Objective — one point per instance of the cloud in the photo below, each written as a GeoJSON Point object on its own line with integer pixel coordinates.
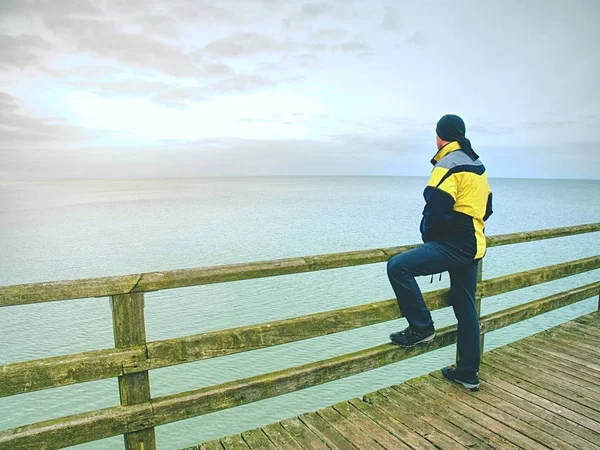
{"type": "Point", "coordinates": [21, 51]}
{"type": "Point", "coordinates": [308, 13]}
{"type": "Point", "coordinates": [23, 130]}
{"type": "Point", "coordinates": [353, 46]}
{"type": "Point", "coordinates": [417, 39]}
{"type": "Point", "coordinates": [391, 20]}
{"type": "Point", "coordinates": [247, 44]}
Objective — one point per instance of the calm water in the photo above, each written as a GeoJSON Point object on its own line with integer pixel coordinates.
{"type": "Point", "coordinates": [74, 229]}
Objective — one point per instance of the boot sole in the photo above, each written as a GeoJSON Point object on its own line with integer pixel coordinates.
{"type": "Point", "coordinates": [425, 340]}
{"type": "Point", "coordinates": [468, 386]}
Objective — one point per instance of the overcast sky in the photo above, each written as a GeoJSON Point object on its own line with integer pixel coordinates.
{"type": "Point", "coordinates": [132, 88]}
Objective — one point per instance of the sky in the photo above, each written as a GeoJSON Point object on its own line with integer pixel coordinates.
{"type": "Point", "coordinates": [184, 88]}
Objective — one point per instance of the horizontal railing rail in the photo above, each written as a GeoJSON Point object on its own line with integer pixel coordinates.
{"type": "Point", "coordinates": [107, 422]}
{"type": "Point", "coordinates": [23, 294]}
{"type": "Point", "coordinates": [133, 357]}
{"type": "Point", "coordinates": [58, 371]}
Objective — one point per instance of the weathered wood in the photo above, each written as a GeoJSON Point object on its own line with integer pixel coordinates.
{"type": "Point", "coordinates": [528, 424]}
{"type": "Point", "coordinates": [368, 426]}
{"type": "Point", "coordinates": [547, 347]}
{"type": "Point", "coordinates": [553, 423]}
{"type": "Point", "coordinates": [60, 371]}
{"type": "Point", "coordinates": [107, 286]}
{"type": "Point", "coordinates": [483, 417]}
{"type": "Point", "coordinates": [392, 425]}
{"type": "Point", "coordinates": [548, 382]}
{"type": "Point", "coordinates": [538, 235]}
{"type": "Point", "coordinates": [302, 434]}
{"type": "Point", "coordinates": [280, 437]}
{"type": "Point", "coordinates": [433, 435]}
{"type": "Point", "coordinates": [443, 410]}
{"type": "Point", "coordinates": [78, 428]}
{"type": "Point", "coordinates": [534, 308]}
{"type": "Point", "coordinates": [211, 445]}
{"type": "Point", "coordinates": [442, 418]}
{"type": "Point", "coordinates": [130, 330]}
{"type": "Point", "coordinates": [45, 373]}
{"type": "Point", "coordinates": [256, 439]}
{"type": "Point", "coordinates": [563, 363]}
{"type": "Point", "coordinates": [551, 411]}
{"type": "Point", "coordinates": [190, 404]}
{"type": "Point", "coordinates": [325, 431]}
{"type": "Point", "coordinates": [508, 283]}
{"type": "Point", "coordinates": [552, 366]}
{"type": "Point", "coordinates": [545, 392]}
{"type": "Point", "coordinates": [351, 432]}
{"type": "Point", "coordinates": [234, 442]}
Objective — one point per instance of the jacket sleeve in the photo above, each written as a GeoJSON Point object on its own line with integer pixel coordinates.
{"type": "Point", "coordinates": [488, 207]}
{"type": "Point", "coordinates": [440, 196]}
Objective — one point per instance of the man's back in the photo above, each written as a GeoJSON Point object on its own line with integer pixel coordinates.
{"type": "Point", "coordinates": [458, 200]}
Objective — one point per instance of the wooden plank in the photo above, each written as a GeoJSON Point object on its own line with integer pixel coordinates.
{"type": "Point", "coordinates": [280, 437]}
{"type": "Point", "coordinates": [78, 428]}
{"type": "Point", "coordinates": [556, 386]}
{"type": "Point", "coordinates": [368, 426]}
{"type": "Point", "coordinates": [214, 398]}
{"type": "Point", "coordinates": [550, 358]}
{"type": "Point", "coordinates": [530, 365]}
{"type": "Point", "coordinates": [534, 308]}
{"type": "Point", "coordinates": [583, 394]}
{"type": "Point", "coordinates": [129, 330]}
{"type": "Point", "coordinates": [542, 391]}
{"type": "Point", "coordinates": [532, 277]}
{"type": "Point", "coordinates": [529, 424]}
{"type": "Point", "coordinates": [52, 372]}
{"type": "Point", "coordinates": [550, 412]}
{"type": "Point", "coordinates": [548, 348]}
{"type": "Point", "coordinates": [18, 378]}
{"type": "Point", "coordinates": [489, 418]}
{"type": "Point", "coordinates": [465, 430]}
{"type": "Point", "coordinates": [580, 348]}
{"type": "Point", "coordinates": [325, 431]}
{"type": "Point", "coordinates": [211, 445]}
{"type": "Point", "coordinates": [392, 425]}
{"type": "Point", "coordinates": [529, 236]}
{"type": "Point", "coordinates": [146, 282]}
{"type": "Point", "coordinates": [577, 329]}
{"type": "Point", "coordinates": [302, 434]}
{"type": "Point", "coordinates": [256, 439]}
{"type": "Point", "coordinates": [433, 435]}
{"type": "Point", "coordinates": [226, 342]}
{"type": "Point", "coordinates": [592, 382]}
{"type": "Point", "coordinates": [347, 429]}
{"type": "Point", "coordinates": [234, 442]}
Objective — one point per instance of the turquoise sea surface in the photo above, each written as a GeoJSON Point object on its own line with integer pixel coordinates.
{"type": "Point", "coordinates": [55, 230]}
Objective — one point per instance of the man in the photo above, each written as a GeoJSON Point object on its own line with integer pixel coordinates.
{"type": "Point", "coordinates": [458, 201]}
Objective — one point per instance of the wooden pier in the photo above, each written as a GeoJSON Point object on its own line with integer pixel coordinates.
{"type": "Point", "coordinates": [557, 369]}
{"type": "Point", "coordinates": [540, 392]}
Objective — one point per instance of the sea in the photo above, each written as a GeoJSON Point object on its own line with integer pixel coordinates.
{"type": "Point", "coordinates": [68, 229]}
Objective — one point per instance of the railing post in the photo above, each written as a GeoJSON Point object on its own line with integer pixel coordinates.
{"type": "Point", "coordinates": [129, 331]}
{"type": "Point", "coordinates": [478, 297]}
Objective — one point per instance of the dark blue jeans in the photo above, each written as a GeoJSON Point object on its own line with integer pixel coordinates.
{"type": "Point", "coordinates": [431, 258]}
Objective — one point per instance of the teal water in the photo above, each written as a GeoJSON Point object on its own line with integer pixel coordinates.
{"type": "Point", "coordinates": [74, 229]}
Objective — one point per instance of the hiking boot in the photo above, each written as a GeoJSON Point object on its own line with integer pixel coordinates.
{"type": "Point", "coordinates": [409, 337]}
{"type": "Point", "coordinates": [470, 382]}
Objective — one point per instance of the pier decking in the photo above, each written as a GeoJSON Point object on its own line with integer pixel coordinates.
{"type": "Point", "coordinates": [540, 392]}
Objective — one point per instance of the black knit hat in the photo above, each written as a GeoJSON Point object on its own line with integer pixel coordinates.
{"type": "Point", "coordinates": [452, 128]}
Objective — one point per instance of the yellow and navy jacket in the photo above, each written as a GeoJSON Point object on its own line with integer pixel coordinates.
{"type": "Point", "coordinates": [458, 200]}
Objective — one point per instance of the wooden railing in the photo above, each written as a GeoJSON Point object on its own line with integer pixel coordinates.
{"type": "Point", "coordinates": [132, 357]}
